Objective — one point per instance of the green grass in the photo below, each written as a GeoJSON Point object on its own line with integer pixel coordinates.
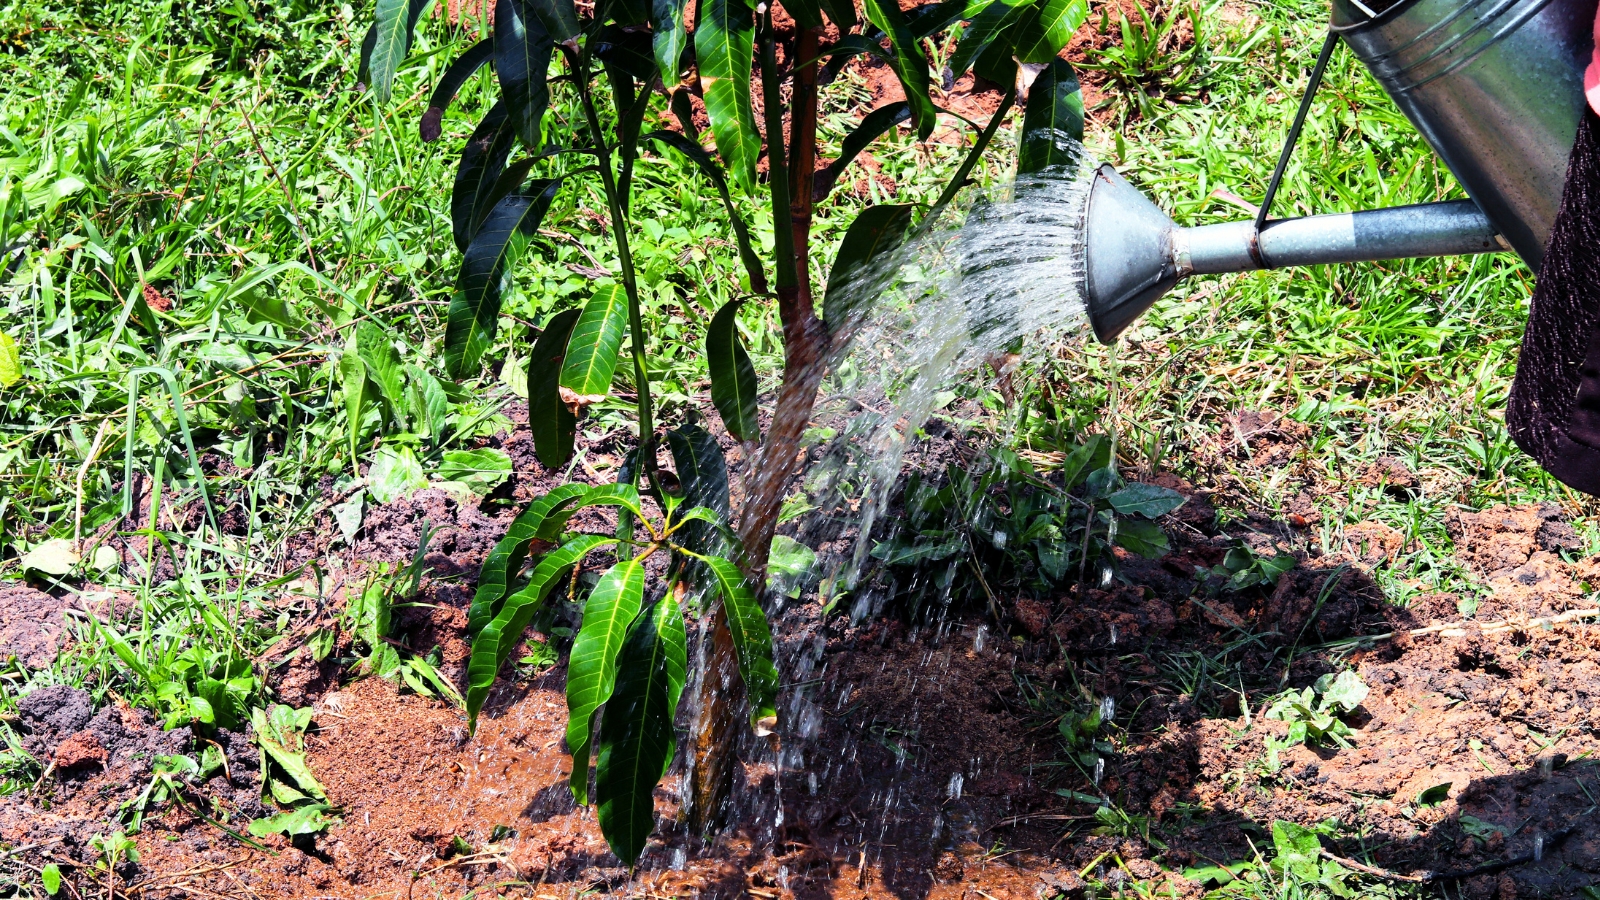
{"type": "Point", "coordinates": [216, 156]}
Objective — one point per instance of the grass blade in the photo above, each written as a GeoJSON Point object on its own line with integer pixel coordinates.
{"type": "Point", "coordinates": [733, 376]}
{"type": "Point", "coordinates": [592, 666]}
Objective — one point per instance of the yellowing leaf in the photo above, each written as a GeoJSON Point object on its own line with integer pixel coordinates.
{"type": "Point", "coordinates": [10, 361]}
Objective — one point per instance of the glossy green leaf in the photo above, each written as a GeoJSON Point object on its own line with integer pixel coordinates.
{"type": "Point", "coordinates": [908, 62]}
{"type": "Point", "coordinates": [444, 93]}
{"type": "Point", "coordinates": [636, 737]}
{"type": "Point", "coordinates": [522, 49]}
{"type": "Point", "coordinates": [1052, 124]}
{"type": "Point", "coordinates": [623, 494]}
{"type": "Point", "coordinates": [733, 376]}
{"type": "Point", "coordinates": [702, 469]}
{"type": "Point", "coordinates": [393, 24]}
{"type": "Point", "coordinates": [383, 363]}
{"type": "Point", "coordinates": [50, 878]}
{"type": "Point", "coordinates": [841, 12]}
{"type": "Point", "coordinates": [708, 167]}
{"type": "Point", "coordinates": [394, 474]}
{"type": "Point", "coordinates": [860, 268]}
{"type": "Point", "coordinates": [1048, 28]}
{"type": "Point", "coordinates": [475, 306]}
{"type": "Point", "coordinates": [494, 643]}
{"type": "Point", "coordinates": [308, 819]}
{"type": "Point", "coordinates": [990, 25]}
{"type": "Point", "coordinates": [542, 520]}
{"type": "Point", "coordinates": [790, 566]}
{"type": "Point", "coordinates": [872, 126]}
{"type": "Point", "coordinates": [482, 161]}
{"type": "Point", "coordinates": [752, 642]}
{"type": "Point", "coordinates": [724, 44]}
{"type": "Point", "coordinates": [560, 18]}
{"type": "Point", "coordinates": [353, 382]}
{"type": "Point", "coordinates": [1147, 500]}
{"type": "Point", "coordinates": [1082, 460]}
{"type": "Point", "coordinates": [670, 38]}
{"type": "Point", "coordinates": [553, 424]}
{"type": "Point", "coordinates": [592, 668]}
{"type": "Point", "coordinates": [806, 13]}
{"type": "Point", "coordinates": [592, 350]}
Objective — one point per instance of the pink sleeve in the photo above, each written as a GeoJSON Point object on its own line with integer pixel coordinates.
{"type": "Point", "coordinates": [1591, 78]}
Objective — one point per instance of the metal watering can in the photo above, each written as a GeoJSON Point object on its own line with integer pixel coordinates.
{"type": "Point", "coordinates": [1496, 88]}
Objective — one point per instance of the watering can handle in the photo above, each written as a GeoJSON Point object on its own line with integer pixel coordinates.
{"type": "Point", "coordinates": [1288, 146]}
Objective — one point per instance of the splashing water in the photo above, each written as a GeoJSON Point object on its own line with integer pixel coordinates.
{"type": "Point", "coordinates": [1005, 271]}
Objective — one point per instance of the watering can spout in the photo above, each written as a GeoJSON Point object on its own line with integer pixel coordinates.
{"type": "Point", "coordinates": [1134, 253]}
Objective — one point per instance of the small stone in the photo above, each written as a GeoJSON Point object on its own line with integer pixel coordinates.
{"type": "Point", "coordinates": [80, 748]}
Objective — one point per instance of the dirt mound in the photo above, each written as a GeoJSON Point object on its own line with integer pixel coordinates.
{"type": "Point", "coordinates": [31, 627]}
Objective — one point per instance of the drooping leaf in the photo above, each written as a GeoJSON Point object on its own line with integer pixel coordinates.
{"type": "Point", "coordinates": [841, 12]}
{"type": "Point", "coordinates": [475, 306]}
{"type": "Point", "coordinates": [702, 470]}
{"type": "Point", "coordinates": [908, 62]}
{"type": "Point", "coordinates": [481, 163]}
{"type": "Point", "coordinates": [308, 819]}
{"type": "Point", "coordinates": [483, 469]}
{"type": "Point", "coordinates": [553, 424]}
{"type": "Point", "coordinates": [1048, 29]}
{"type": "Point", "coordinates": [507, 556]}
{"type": "Point", "coordinates": [733, 376]}
{"type": "Point", "coordinates": [353, 382]}
{"type": "Point", "coordinates": [383, 363]}
{"type": "Point", "coordinates": [493, 645]}
{"type": "Point", "coordinates": [1144, 538]}
{"type": "Point", "coordinates": [806, 13]}
{"type": "Point", "coordinates": [592, 669]}
{"type": "Point", "coordinates": [1052, 124]}
{"type": "Point", "coordinates": [636, 738]}
{"type": "Point", "coordinates": [752, 642]}
{"type": "Point", "coordinates": [670, 37]}
{"type": "Point", "coordinates": [857, 273]}
{"type": "Point", "coordinates": [724, 41]}
{"type": "Point", "coordinates": [522, 49]}
{"type": "Point", "coordinates": [444, 93]}
{"type": "Point", "coordinates": [622, 494]}
{"type": "Point", "coordinates": [560, 18]}
{"type": "Point", "coordinates": [511, 181]}
{"type": "Point", "coordinates": [391, 38]}
{"type": "Point", "coordinates": [709, 167]}
{"type": "Point", "coordinates": [1147, 500]}
{"type": "Point", "coordinates": [591, 360]}
{"type": "Point", "coordinates": [872, 126]}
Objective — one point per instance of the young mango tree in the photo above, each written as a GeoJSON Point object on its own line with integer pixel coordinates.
{"type": "Point", "coordinates": [629, 655]}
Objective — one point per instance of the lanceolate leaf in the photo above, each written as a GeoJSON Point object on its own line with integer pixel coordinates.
{"type": "Point", "coordinates": [908, 62]}
{"type": "Point", "coordinates": [752, 640]}
{"type": "Point", "coordinates": [1053, 120]}
{"type": "Point", "coordinates": [553, 425]}
{"type": "Point", "coordinates": [560, 18]}
{"type": "Point", "coordinates": [481, 163]}
{"type": "Point", "coordinates": [383, 363]}
{"type": "Point", "coordinates": [876, 231]}
{"type": "Point", "coordinates": [636, 737]}
{"type": "Point", "coordinates": [467, 65]}
{"type": "Point", "coordinates": [724, 41]}
{"type": "Point", "coordinates": [986, 28]}
{"type": "Point", "coordinates": [873, 126]}
{"type": "Point", "coordinates": [475, 307]}
{"type": "Point", "coordinates": [522, 49]}
{"type": "Point", "coordinates": [591, 359]}
{"type": "Point", "coordinates": [511, 181]}
{"type": "Point", "coordinates": [507, 556]}
{"type": "Point", "coordinates": [702, 470]}
{"type": "Point", "coordinates": [670, 38]}
{"type": "Point", "coordinates": [708, 166]}
{"type": "Point", "coordinates": [1049, 28]}
{"type": "Point", "coordinates": [592, 669]}
{"type": "Point", "coordinates": [622, 494]}
{"type": "Point", "coordinates": [391, 30]}
{"type": "Point", "coordinates": [733, 377]}
{"type": "Point", "coordinates": [493, 644]}
{"type": "Point", "coordinates": [429, 403]}
{"type": "Point", "coordinates": [353, 381]}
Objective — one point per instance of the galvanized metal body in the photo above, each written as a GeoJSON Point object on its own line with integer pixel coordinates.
{"type": "Point", "coordinates": [1496, 88]}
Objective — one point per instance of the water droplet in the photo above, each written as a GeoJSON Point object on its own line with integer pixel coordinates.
{"type": "Point", "coordinates": [953, 791]}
